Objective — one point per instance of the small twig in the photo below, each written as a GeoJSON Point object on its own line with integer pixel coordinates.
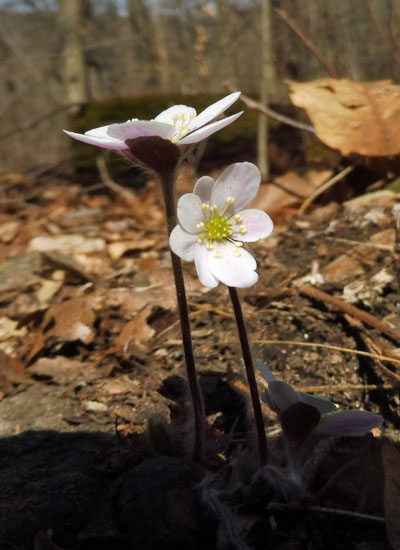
{"type": "Point", "coordinates": [388, 247]}
{"type": "Point", "coordinates": [311, 345]}
{"type": "Point", "coordinates": [373, 346]}
{"type": "Point", "coordinates": [106, 180]}
{"type": "Point", "coordinates": [335, 511]}
{"type": "Point", "coordinates": [324, 187]}
{"type": "Point", "coordinates": [175, 324]}
{"type": "Point", "coordinates": [252, 104]}
{"type": "Point", "coordinates": [307, 41]}
{"type": "Point", "coordinates": [206, 308]}
{"type": "Point", "coordinates": [363, 316]}
{"type": "Point", "coordinates": [329, 346]}
{"type": "Point", "coordinates": [345, 387]}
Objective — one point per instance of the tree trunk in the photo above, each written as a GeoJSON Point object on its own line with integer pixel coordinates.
{"type": "Point", "coordinates": [229, 61]}
{"type": "Point", "coordinates": [74, 69]}
{"type": "Point", "coordinates": [162, 49]}
{"type": "Point", "coordinates": [267, 80]}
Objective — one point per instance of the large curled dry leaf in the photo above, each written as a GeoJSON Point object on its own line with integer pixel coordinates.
{"type": "Point", "coordinates": [353, 117]}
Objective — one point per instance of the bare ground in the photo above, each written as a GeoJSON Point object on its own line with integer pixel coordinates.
{"type": "Point", "coordinates": [94, 416]}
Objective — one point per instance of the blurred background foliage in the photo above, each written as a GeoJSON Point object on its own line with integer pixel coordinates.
{"type": "Point", "coordinates": [83, 63]}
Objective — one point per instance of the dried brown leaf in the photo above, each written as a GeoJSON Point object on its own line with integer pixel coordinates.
{"type": "Point", "coordinates": [353, 117]}
{"type": "Point", "coordinates": [71, 320]}
{"type": "Point", "coordinates": [69, 244]}
{"type": "Point", "coordinates": [9, 230]}
{"type": "Point", "coordinates": [12, 371]}
{"type": "Point", "coordinates": [136, 331]}
{"type": "Point", "coordinates": [60, 369]}
{"type": "Point", "coordinates": [283, 198]}
{"type": "Point", "coordinates": [118, 249]}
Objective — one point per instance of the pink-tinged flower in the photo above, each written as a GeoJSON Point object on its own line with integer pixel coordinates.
{"type": "Point", "coordinates": [328, 421]}
{"type": "Point", "coordinates": [179, 124]}
{"type": "Point", "coordinates": [213, 227]}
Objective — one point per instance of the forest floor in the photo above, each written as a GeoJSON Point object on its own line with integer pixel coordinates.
{"type": "Point", "coordinates": [94, 419]}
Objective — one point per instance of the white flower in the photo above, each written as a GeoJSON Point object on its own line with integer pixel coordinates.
{"type": "Point", "coordinates": [280, 396]}
{"type": "Point", "coordinates": [179, 124]}
{"type": "Point", "coordinates": [213, 227]}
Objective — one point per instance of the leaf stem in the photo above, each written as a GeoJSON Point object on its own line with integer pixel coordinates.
{"type": "Point", "coordinates": [168, 186]}
{"type": "Point", "coordinates": [251, 377]}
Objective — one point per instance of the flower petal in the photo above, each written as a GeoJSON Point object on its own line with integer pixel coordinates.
{"type": "Point", "coordinates": [349, 423]}
{"type": "Point", "coordinates": [324, 405]}
{"type": "Point", "coordinates": [240, 181]}
{"type": "Point", "coordinates": [233, 266]}
{"type": "Point", "coordinates": [201, 259]}
{"type": "Point", "coordinates": [190, 212]}
{"type": "Point", "coordinates": [140, 128]}
{"type": "Point", "coordinates": [182, 243]}
{"type": "Point", "coordinates": [167, 116]}
{"type": "Point", "coordinates": [101, 132]}
{"type": "Point", "coordinates": [282, 395]}
{"type": "Point", "coordinates": [265, 372]}
{"type": "Point", "coordinates": [203, 188]}
{"type": "Point", "coordinates": [208, 130]}
{"type": "Point", "coordinates": [257, 222]}
{"type": "Point", "coordinates": [110, 143]}
{"type": "Point", "coordinates": [213, 111]}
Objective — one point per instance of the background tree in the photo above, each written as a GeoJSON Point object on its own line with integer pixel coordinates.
{"type": "Point", "coordinates": [266, 83]}
{"type": "Point", "coordinates": [54, 52]}
{"type": "Point", "coordinates": [74, 67]}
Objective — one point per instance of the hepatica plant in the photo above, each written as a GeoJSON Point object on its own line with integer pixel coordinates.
{"type": "Point", "coordinates": [213, 227]}
{"type": "Point", "coordinates": [158, 145]}
{"type": "Point", "coordinates": [302, 414]}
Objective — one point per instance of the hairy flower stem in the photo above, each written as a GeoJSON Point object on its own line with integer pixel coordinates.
{"type": "Point", "coordinates": [251, 377]}
{"type": "Point", "coordinates": [168, 187]}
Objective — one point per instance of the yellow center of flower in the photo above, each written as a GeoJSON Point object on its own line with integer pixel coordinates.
{"type": "Point", "coordinates": [216, 229]}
